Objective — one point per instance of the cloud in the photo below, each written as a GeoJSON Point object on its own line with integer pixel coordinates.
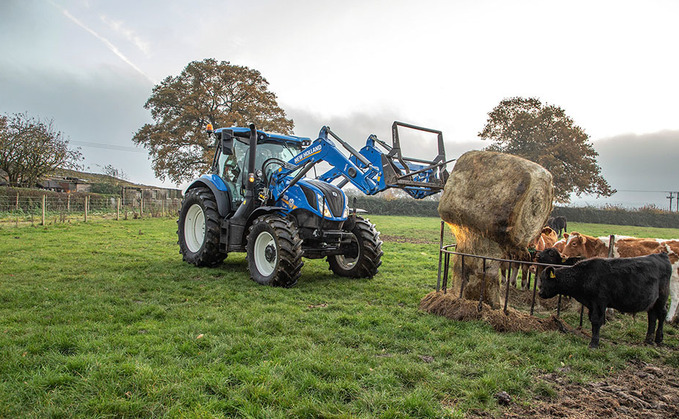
{"type": "Point", "coordinates": [103, 40]}
{"type": "Point", "coordinates": [356, 127]}
{"type": "Point", "coordinates": [120, 28]}
{"type": "Point", "coordinates": [643, 168]}
{"type": "Point", "coordinates": [99, 113]}
{"type": "Point", "coordinates": [647, 161]}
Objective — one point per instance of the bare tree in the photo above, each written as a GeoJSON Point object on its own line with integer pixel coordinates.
{"type": "Point", "coordinates": [31, 148]}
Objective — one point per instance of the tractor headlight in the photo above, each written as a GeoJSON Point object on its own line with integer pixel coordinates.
{"type": "Point", "coordinates": [322, 206]}
{"type": "Point", "coordinates": [345, 213]}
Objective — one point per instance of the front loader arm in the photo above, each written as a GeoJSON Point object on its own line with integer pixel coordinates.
{"type": "Point", "coordinates": [357, 170]}
{"type": "Point", "coordinates": [371, 170]}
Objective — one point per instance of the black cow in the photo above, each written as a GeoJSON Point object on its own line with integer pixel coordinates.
{"type": "Point", "coordinates": [629, 285]}
{"type": "Point", "coordinates": [558, 224]}
{"type": "Point", "coordinates": [553, 257]}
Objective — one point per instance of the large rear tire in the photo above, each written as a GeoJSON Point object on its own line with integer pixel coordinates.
{"type": "Point", "coordinates": [363, 256]}
{"type": "Point", "coordinates": [274, 251]}
{"type": "Point", "coordinates": [198, 228]}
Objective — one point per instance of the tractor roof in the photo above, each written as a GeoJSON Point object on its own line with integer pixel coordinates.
{"type": "Point", "coordinates": [243, 132]}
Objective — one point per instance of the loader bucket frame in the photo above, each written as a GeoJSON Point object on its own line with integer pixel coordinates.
{"type": "Point", "coordinates": [418, 177]}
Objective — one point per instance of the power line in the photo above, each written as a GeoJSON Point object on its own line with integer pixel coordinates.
{"type": "Point", "coordinates": [108, 146]}
{"type": "Point", "coordinates": [644, 191]}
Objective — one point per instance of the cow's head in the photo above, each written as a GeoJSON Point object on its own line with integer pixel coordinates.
{"type": "Point", "coordinates": [548, 285]}
{"type": "Point", "coordinates": [580, 245]}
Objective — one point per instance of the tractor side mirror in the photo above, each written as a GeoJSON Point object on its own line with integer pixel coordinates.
{"type": "Point", "coordinates": [227, 142]}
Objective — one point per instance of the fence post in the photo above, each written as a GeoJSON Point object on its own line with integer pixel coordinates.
{"type": "Point", "coordinates": [87, 201]}
{"type": "Point", "coordinates": [43, 209]}
{"type": "Point", "coordinates": [17, 206]}
{"type": "Point", "coordinates": [141, 205]}
{"type": "Point", "coordinates": [118, 211]}
{"type": "Point", "coordinates": [68, 202]}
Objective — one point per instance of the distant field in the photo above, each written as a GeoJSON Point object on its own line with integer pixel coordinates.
{"type": "Point", "coordinates": [104, 319]}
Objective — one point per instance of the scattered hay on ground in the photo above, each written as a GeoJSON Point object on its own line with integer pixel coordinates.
{"type": "Point", "coordinates": [449, 306]}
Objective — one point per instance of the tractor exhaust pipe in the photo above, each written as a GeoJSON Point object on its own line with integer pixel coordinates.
{"type": "Point", "coordinates": [250, 185]}
{"type": "Point", "coordinates": [247, 206]}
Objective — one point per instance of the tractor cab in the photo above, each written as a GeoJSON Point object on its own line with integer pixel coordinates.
{"type": "Point", "coordinates": [233, 154]}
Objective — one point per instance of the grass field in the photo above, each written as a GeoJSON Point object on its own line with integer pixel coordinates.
{"type": "Point", "coordinates": [105, 320]}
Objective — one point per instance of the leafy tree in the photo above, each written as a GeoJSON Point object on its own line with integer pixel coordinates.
{"type": "Point", "coordinates": [31, 148]}
{"type": "Point", "coordinates": [205, 92]}
{"type": "Point", "coordinates": [546, 135]}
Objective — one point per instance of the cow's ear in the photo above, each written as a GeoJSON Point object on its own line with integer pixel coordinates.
{"type": "Point", "coordinates": [550, 272]}
{"type": "Point", "coordinates": [565, 236]}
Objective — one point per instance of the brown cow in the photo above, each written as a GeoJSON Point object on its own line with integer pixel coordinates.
{"type": "Point", "coordinates": [578, 244]}
{"type": "Point", "coordinates": [545, 240]}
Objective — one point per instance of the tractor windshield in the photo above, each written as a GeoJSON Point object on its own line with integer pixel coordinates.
{"type": "Point", "coordinates": [233, 168]}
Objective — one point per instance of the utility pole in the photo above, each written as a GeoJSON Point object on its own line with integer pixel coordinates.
{"type": "Point", "coordinates": [671, 197]}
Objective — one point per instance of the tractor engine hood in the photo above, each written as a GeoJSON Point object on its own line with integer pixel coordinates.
{"type": "Point", "coordinates": [321, 198]}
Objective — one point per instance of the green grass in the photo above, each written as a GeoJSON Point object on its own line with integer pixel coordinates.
{"type": "Point", "coordinates": [104, 319]}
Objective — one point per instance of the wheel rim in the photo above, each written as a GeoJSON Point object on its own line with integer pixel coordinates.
{"type": "Point", "coordinates": [194, 228]}
{"type": "Point", "coordinates": [265, 253]}
{"type": "Point", "coordinates": [346, 262]}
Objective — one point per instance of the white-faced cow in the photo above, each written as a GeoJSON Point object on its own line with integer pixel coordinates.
{"type": "Point", "coordinates": [587, 246]}
{"type": "Point", "coordinates": [629, 285]}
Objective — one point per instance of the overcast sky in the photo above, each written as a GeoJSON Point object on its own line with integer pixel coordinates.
{"type": "Point", "coordinates": [359, 65]}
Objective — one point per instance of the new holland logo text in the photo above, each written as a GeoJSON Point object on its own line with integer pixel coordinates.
{"type": "Point", "coordinates": [307, 153]}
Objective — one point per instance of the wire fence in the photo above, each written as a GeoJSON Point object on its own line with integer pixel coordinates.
{"type": "Point", "coordinates": [53, 208]}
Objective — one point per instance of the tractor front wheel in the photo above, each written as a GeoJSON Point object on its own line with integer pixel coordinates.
{"type": "Point", "coordinates": [198, 228]}
{"type": "Point", "coordinates": [274, 251]}
{"type": "Point", "coordinates": [363, 256]}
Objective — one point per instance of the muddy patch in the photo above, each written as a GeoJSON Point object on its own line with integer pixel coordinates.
{"type": "Point", "coordinates": [640, 391]}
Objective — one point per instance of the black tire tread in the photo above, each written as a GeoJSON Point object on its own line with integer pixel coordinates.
{"type": "Point", "coordinates": [371, 252]}
{"type": "Point", "coordinates": [209, 255]}
{"type": "Point", "coordinates": [289, 250]}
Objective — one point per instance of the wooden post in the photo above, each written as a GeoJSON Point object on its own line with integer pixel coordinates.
{"type": "Point", "coordinates": [43, 209]}
{"type": "Point", "coordinates": [17, 206]}
{"type": "Point", "coordinates": [68, 202]}
{"type": "Point", "coordinates": [611, 243]}
{"type": "Point", "coordinates": [141, 204]}
{"type": "Point", "coordinates": [87, 201]}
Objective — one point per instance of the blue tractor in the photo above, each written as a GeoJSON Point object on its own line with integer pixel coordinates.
{"type": "Point", "coordinates": [259, 200]}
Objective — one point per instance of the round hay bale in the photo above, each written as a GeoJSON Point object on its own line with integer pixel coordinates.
{"type": "Point", "coordinates": [502, 197]}
{"type": "Point", "coordinates": [495, 204]}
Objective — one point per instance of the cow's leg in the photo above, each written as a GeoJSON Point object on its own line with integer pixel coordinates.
{"type": "Point", "coordinates": [597, 316]}
{"type": "Point", "coordinates": [661, 311]}
{"type": "Point", "coordinates": [514, 274]}
{"type": "Point", "coordinates": [524, 276]}
{"type": "Point", "coordinates": [674, 295]}
{"type": "Point", "coordinates": [652, 319]}
{"type": "Point", "coordinates": [504, 266]}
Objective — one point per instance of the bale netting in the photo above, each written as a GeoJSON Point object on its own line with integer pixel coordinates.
{"type": "Point", "coordinates": [454, 308]}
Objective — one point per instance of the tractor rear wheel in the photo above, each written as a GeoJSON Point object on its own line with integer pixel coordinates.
{"type": "Point", "coordinates": [198, 228]}
{"type": "Point", "coordinates": [274, 251]}
{"type": "Point", "coordinates": [363, 256]}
